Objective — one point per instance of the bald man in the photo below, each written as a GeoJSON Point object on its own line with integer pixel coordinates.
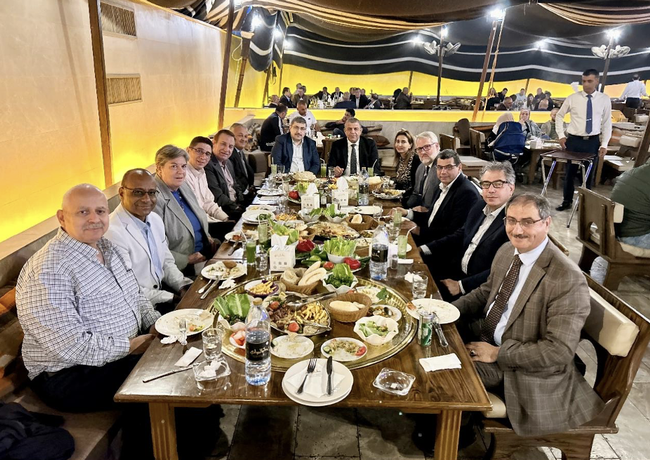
{"type": "Point", "coordinates": [81, 310]}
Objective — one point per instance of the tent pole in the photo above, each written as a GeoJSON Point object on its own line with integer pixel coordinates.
{"type": "Point", "coordinates": [226, 62]}
{"type": "Point", "coordinates": [410, 81]}
{"type": "Point", "coordinates": [245, 47]}
{"type": "Point", "coordinates": [488, 51]}
{"type": "Point", "coordinates": [526, 87]}
{"type": "Point", "coordinates": [280, 80]}
{"type": "Point", "coordinates": [496, 53]}
{"type": "Point", "coordinates": [606, 68]}
{"type": "Point", "coordinates": [266, 85]}
{"type": "Point", "coordinates": [440, 56]}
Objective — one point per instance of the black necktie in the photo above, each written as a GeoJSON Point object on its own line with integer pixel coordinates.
{"type": "Point", "coordinates": [494, 315]}
{"type": "Point", "coordinates": [353, 160]}
{"type": "Point", "coordinates": [424, 179]}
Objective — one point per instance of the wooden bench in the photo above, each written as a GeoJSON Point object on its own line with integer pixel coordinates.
{"type": "Point", "coordinates": [93, 433]}
{"type": "Point", "coordinates": [596, 232]}
{"type": "Point", "coordinates": [620, 336]}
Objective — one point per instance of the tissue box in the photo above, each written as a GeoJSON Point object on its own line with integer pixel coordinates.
{"type": "Point", "coordinates": [340, 197]}
{"type": "Point", "coordinates": [309, 202]}
{"type": "Point", "coordinates": [282, 257]}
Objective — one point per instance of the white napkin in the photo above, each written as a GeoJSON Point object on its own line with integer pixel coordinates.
{"type": "Point", "coordinates": [409, 276]}
{"type": "Point", "coordinates": [229, 283]}
{"type": "Point", "coordinates": [168, 340]}
{"type": "Point", "coordinates": [188, 358]}
{"type": "Point", "coordinates": [278, 240]}
{"type": "Point", "coordinates": [438, 363]}
{"type": "Point", "coordinates": [316, 384]}
{"type": "Point", "coordinates": [341, 183]}
{"type": "Point", "coordinates": [311, 190]}
{"type": "Point", "coordinates": [406, 262]}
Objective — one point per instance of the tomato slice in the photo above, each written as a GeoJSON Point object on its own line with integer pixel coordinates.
{"type": "Point", "coordinates": [293, 327]}
{"type": "Point", "coordinates": [361, 351]}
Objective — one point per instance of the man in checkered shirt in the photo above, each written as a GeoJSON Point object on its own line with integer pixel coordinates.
{"type": "Point", "coordinates": [84, 318]}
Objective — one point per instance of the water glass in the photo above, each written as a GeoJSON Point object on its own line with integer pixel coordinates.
{"type": "Point", "coordinates": [393, 233]}
{"type": "Point", "coordinates": [274, 169]}
{"type": "Point", "coordinates": [420, 282]}
{"type": "Point", "coordinates": [262, 262]}
{"type": "Point", "coordinates": [330, 172]}
{"type": "Point", "coordinates": [280, 169]}
{"type": "Point", "coordinates": [212, 340]}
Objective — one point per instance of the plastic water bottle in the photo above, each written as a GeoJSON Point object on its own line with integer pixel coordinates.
{"type": "Point", "coordinates": [364, 188]}
{"type": "Point", "coordinates": [258, 346]}
{"type": "Point", "coordinates": [379, 254]}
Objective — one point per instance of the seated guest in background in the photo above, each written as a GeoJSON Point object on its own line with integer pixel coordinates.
{"type": "Point", "coordinates": [286, 98]}
{"type": "Point", "coordinates": [471, 249]}
{"type": "Point", "coordinates": [550, 102]}
{"type": "Point", "coordinates": [374, 103]}
{"type": "Point", "coordinates": [345, 102]}
{"type": "Point", "coordinates": [538, 97]}
{"type": "Point", "coordinates": [520, 99]}
{"type": "Point", "coordinates": [530, 102]}
{"type": "Point", "coordinates": [503, 118]}
{"type": "Point", "coordinates": [338, 126]}
{"type": "Point", "coordinates": [244, 174]}
{"type": "Point", "coordinates": [337, 94]}
{"type": "Point", "coordinates": [451, 203]}
{"type": "Point", "coordinates": [633, 92]}
{"type": "Point", "coordinates": [295, 151]}
{"type": "Point", "coordinates": [186, 224]}
{"type": "Point", "coordinates": [300, 96]}
{"type": "Point", "coordinates": [506, 104]}
{"type": "Point", "coordinates": [493, 99]}
{"type": "Point", "coordinates": [360, 100]}
{"type": "Point", "coordinates": [502, 94]}
{"type": "Point", "coordinates": [275, 100]}
{"type": "Point", "coordinates": [350, 154]}
{"type": "Point", "coordinates": [543, 105]}
{"type": "Point", "coordinates": [140, 235]}
{"type": "Point", "coordinates": [426, 180]}
{"type": "Point", "coordinates": [303, 112]}
{"type": "Point", "coordinates": [272, 128]}
{"type": "Point", "coordinates": [83, 314]}
{"type": "Point", "coordinates": [403, 100]}
{"type": "Point", "coordinates": [323, 95]}
{"type": "Point", "coordinates": [548, 128]}
{"type": "Point", "coordinates": [522, 326]}
{"type": "Point", "coordinates": [406, 161]}
{"type": "Point", "coordinates": [220, 173]}
{"type": "Point", "coordinates": [528, 126]}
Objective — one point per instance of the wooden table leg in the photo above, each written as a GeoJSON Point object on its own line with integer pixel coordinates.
{"type": "Point", "coordinates": [447, 432]}
{"type": "Point", "coordinates": [163, 431]}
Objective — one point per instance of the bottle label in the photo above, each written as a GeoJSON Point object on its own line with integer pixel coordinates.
{"type": "Point", "coordinates": [257, 351]}
{"type": "Point", "coordinates": [379, 254]}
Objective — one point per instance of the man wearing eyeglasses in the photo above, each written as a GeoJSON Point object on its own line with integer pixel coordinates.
{"type": "Point", "coordinates": [471, 248]}
{"type": "Point", "coordinates": [426, 179]}
{"type": "Point", "coordinates": [139, 235]}
{"type": "Point", "coordinates": [522, 326]}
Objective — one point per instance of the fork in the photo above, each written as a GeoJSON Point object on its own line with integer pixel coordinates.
{"type": "Point", "coordinates": [310, 368]}
{"type": "Point", "coordinates": [202, 290]}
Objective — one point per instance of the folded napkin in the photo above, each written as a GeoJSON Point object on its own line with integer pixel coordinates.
{"type": "Point", "coordinates": [409, 276]}
{"type": "Point", "coordinates": [405, 262]}
{"type": "Point", "coordinates": [188, 358]}
{"type": "Point", "coordinates": [342, 183]}
{"type": "Point", "coordinates": [311, 190]}
{"type": "Point", "coordinates": [229, 283]}
{"type": "Point", "coordinates": [439, 363]}
{"type": "Point", "coordinates": [316, 385]}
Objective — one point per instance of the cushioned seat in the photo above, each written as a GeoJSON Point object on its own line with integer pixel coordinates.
{"type": "Point", "coordinates": [609, 327]}
{"type": "Point", "coordinates": [498, 407]}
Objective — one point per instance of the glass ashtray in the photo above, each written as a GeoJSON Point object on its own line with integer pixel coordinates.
{"type": "Point", "coordinates": [394, 382]}
{"type": "Point", "coordinates": [206, 373]}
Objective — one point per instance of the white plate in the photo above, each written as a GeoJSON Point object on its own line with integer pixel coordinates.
{"type": "Point", "coordinates": [211, 272]}
{"type": "Point", "coordinates": [341, 355]}
{"type": "Point", "coordinates": [447, 313]}
{"type": "Point", "coordinates": [397, 314]}
{"type": "Point", "coordinates": [234, 344]}
{"type": "Point", "coordinates": [369, 210]}
{"type": "Point", "coordinates": [339, 393]}
{"type": "Point", "coordinates": [247, 233]}
{"type": "Point", "coordinates": [168, 324]}
{"type": "Point", "coordinates": [296, 348]}
{"type": "Point", "coordinates": [270, 192]}
{"type": "Point", "coordinates": [251, 217]}
{"type": "Point", "coordinates": [251, 284]}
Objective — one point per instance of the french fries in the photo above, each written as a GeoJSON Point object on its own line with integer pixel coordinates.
{"type": "Point", "coordinates": [312, 313]}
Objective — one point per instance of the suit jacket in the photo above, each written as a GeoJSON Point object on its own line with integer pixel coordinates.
{"type": "Point", "coordinates": [269, 131]}
{"type": "Point", "coordinates": [426, 198]}
{"type": "Point", "coordinates": [345, 105]}
{"type": "Point", "coordinates": [133, 246]}
{"type": "Point", "coordinates": [219, 186]}
{"type": "Point", "coordinates": [363, 101]}
{"type": "Point", "coordinates": [450, 216]}
{"type": "Point", "coordinates": [287, 101]}
{"type": "Point", "coordinates": [544, 392]}
{"type": "Point", "coordinates": [402, 101]}
{"type": "Point", "coordinates": [368, 155]}
{"type": "Point", "coordinates": [245, 177]}
{"type": "Point", "coordinates": [282, 153]}
{"type": "Point", "coordinates": [178, 228]}
{"type": "Point", "coordinates": [454, 246]}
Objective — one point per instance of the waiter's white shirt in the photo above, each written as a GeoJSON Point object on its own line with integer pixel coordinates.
{"type": "Point", "coordinates": [309, 118]}
{"type": "Point", "coordinates": [576, 106]}
{"type": "Point", "coordinates": [635, 89]}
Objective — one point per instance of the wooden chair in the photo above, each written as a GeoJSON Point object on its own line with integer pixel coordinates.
{"type": "Point", "coordinates": [448, 142]}
{"type": "Point", "coordinates": [620, 336]}
{"type": "Point", "coordinates": [475, 147]}
{"type": "Point", "coordinates": [559, 245]}
{"type": "Point", "coordinates": [464, 128]}
{"type": "Point", "coordinates": [596, 232]}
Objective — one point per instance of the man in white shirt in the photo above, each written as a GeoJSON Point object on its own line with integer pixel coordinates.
{"type": "Point", "coordinates": [139, 235]}
{"type": "Point", "coordinates": [589, 130]}
{"type": "Point", "coordinates": [200, 151]}
{"type": "Point", "coordinates": [633, 92]}
{"type": "Point", "coordinates": [310, 119]}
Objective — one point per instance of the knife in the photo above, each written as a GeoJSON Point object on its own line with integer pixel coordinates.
{"type": "Point", "coordinates": [438, 328]}
{"type": "Point", "coordinates": [164, 374]}
{"type": "Point", "coordinates": [234, 246]}
{"type": "Point", "coordinates": [329, 376]}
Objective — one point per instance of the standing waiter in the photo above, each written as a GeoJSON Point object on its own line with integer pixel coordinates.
{"type": "Point", "coordinates": [633, 92]}
{"type": "Point", "coordinates": [589, 130]}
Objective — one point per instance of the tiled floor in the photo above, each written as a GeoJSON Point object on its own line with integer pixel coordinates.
{"type": "Point", "coordinates": [330, 433]}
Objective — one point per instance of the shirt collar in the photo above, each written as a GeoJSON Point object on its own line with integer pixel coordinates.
{"type": "Point", "coordinates": [350, 144]}
{"type": "Point", "coordinates": [138, 223]}
{"type": "Point", "coordinates": [593, 95]}
{"type": "Point", "coordinates": [530, 257]}
{"type": "Point", "coordinates": [445, 188]}
{"type": "Point", "coordinates": [486, 210]}
{"type": "Point", "coordinates": [195, 172]}
{"type": "Point", "coordinates": [103, 244]}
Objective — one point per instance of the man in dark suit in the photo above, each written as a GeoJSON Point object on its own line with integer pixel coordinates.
{"type": "Point", "coordinates": [244, 174]}
{"type": "Point", "coordinates": [286, 97]}
{"type": "Point", "coordinates": [295, 151]}
{"type": "Point", "coordinates": [323, 94]}
{"type": "Point", "coordinates": [345, 103]}
{"type": "Point", "coordinates": [354, 152]}
{"type": "Point", "coordinates": [471, 249]}
{"type": "Point", "coordinates": [360, 100]}
{"type": "Point", "coordinates": [272, 128]}
{"type": "Point", "coordinates": [426, 179]}
{"type": "Point", "coordinates": [451, 203]}
{"type": "Point", "coordinates": [220, 175]}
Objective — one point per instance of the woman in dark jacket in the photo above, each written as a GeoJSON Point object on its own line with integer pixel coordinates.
{"type": "Point", "coordinates": [407, 161]}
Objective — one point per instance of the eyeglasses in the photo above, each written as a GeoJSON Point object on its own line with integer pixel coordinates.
{"type": "Point", "coordinates": [139, 193]}
{"type": "Point", "coordinates": [207, 153]}
{"type": "Point", "coordinates": [424, 148]}
{"type": "Point", "coordinates": [524, 223]}
{"type": "Point", "coordinates": [446, 167]}
{"type": "Point", "coordinates": [485, 185]}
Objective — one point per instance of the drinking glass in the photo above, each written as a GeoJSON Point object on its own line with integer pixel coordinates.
{"type": "Point", "coordinates": [280, 169]}
{"type": "Point", "coordinates": [323, 170]}
{"type": "Point", "coordinates": [371, 171]}
{"type": "Point", "coordinates": [262, 262]}
{"type": "Point", "coordinates": [420, 282]}
{"type": "Point", "coordinates": [274, 169]}
{"type": "Point", "coordinates": [402, 241]}
{"type": "Point", "coordinates": [393, 233]}
{"type": "Point", "coordinates": [251, 249]}
{"type": "Point", "coordinates": [212, 340]}
{"type": "Point", "coordinates": [330, 172]}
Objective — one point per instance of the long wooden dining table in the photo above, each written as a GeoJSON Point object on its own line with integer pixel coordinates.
{"type": "Point", "coordinates": [446, 393]}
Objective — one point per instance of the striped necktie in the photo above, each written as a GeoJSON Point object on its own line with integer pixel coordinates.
{"type": "Point", "coordinates": [494, 315]}
{"type": "Point", "coordinates": [590, 115]}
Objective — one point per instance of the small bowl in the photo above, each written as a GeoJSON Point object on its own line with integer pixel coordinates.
{"type": "Point", "coordinates": [375, 339]}
{"type": "Point", "coordinates": [252, 284]}
{"type": "Point", "coordinates": [337, 259]}
{"type": "Point", "coordinates": [394, 382]}
{"type": "Point", "coordinates": [307, 218]}
{"type": "Point", "coordinates": [335, 220]}
{"type": "Point", "coordinates": [341, 289]}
